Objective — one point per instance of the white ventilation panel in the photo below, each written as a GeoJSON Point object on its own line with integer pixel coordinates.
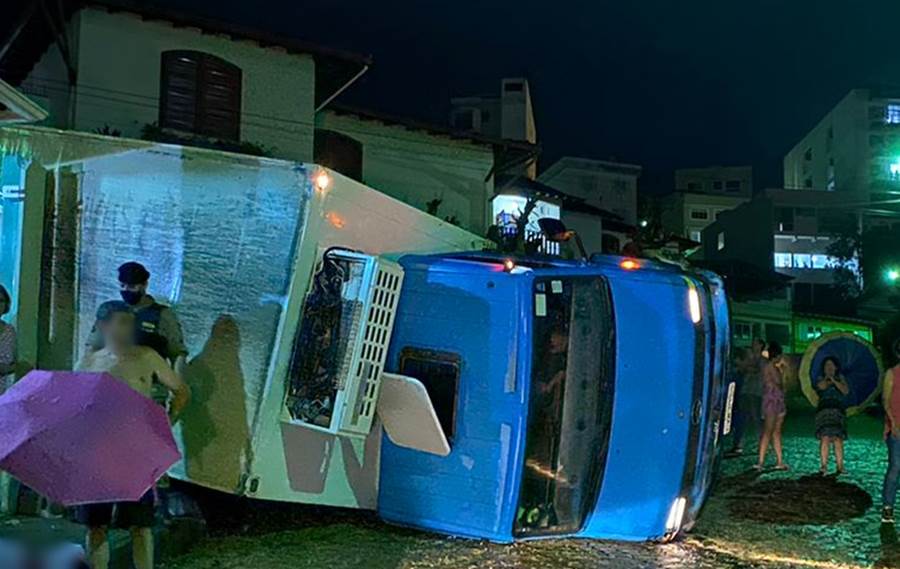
{"type": "Point", "coordinates": [342, 343]}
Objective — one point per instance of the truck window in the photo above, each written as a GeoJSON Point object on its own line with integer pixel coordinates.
{"type": "Point", "coordinates": [439, 373]}
{"type": "Point", "coordinates": [570, 405]}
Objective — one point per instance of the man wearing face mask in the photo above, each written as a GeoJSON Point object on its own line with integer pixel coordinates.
{"type": "Point", "coordinates": [156, 325]}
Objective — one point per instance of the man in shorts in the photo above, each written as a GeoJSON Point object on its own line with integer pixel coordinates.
{"type": "Point", "coordinates": [139, 367]}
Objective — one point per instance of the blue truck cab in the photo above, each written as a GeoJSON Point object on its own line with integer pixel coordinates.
{"type": "Point", "coordinates": [580, 399]}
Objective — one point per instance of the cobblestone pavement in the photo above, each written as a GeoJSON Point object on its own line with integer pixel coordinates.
{"type": "Point", "coordinates": [767, 521]}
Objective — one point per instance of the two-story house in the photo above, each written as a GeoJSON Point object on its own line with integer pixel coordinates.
{"type": "Point", "coordinates": [123, 68]}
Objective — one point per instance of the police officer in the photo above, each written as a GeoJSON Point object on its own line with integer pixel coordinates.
{"type": "Point", "coordinates": [156, 325]}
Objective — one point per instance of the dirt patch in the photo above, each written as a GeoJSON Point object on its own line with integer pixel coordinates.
{"type": "Point", "coordinates": [816, 500]}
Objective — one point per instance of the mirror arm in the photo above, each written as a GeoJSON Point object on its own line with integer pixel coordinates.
{"type": "Point", "coordinates": [581, 249]}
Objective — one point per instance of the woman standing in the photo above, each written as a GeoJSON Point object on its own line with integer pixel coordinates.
{"type": "Point", "coordinates": [831, 416]}
{"type": "Point", "coordinates": [773, 407]}
{"type": "Point", "coordinates": [7, 344]}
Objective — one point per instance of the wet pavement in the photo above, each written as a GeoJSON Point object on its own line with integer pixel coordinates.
{"type": "Point", "coordinates": [753, 520]}
{"type": "Point", "coordinates": [767, 520]}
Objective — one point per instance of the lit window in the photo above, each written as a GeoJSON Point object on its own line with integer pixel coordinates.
{"type": "Point", "coordinates": [894, 169]}
{"type": "Point", "coordinates": [695, 236]}
{"type": "Point", "coordinates": [782, 260]}
{"type": "Point", "coordinates": [820, 261]}
{"type": "Point", "coordinates": [701, 214]}
{"type": "Point", "coordinates": [892, 114]}
{"type": "Point", "coordinates": [802, 261]}
{"type": "Point", "coordinates": [721, 241]}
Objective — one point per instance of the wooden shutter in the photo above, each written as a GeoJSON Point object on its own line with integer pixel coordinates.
{"type": "Point", "coordinates": [201, 94]}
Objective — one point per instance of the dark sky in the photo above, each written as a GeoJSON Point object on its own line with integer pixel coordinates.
{"type": "Point", "coordinates": [660, 83]}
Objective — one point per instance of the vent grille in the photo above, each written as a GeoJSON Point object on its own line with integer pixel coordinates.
{"type": "Point", "coordinates": [385, 294]}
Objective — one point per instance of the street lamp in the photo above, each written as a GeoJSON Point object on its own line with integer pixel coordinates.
{"type": "Point", "coordinates": [892, 275]}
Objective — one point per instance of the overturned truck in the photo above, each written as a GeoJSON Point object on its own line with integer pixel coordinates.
{"type": "Point", "coordinates": [345, 351]}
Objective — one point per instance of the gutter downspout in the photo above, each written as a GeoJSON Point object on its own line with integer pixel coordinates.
{"type": "Point", "coordinates": [346, 86]}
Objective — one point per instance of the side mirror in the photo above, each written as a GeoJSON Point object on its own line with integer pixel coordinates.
{"type": "Point", "coordinates": [555, 230]}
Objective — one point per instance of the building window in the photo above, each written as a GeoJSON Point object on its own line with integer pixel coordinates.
{"type": "Point", "coordinates": [894, 170]}
{"type": "Point", "coordinates": [802, 261]}
{"type": "Point", "coordinates": [782, 260]}
{"type": "Point", "coordinates": [200, 94]}
{"type": "Point", "coordinates": [699, 214]}
{"type": "Point", "coordinates": [808, 183]}
{"type": "Point", "coordinates": [514, 87]}
{"type": "Point", "coordinates": [439, 373]}
{"type": "Point", "coordinates": [694, 186]}
{"type": "Point", "coordinates": [808, 154]}
{"type": "Point", "coordinates": [721, 241]}
{"type": "Point", "coordinates": [892, 114]}
{"type": "Point", "coordinates": [339, 152]}
{"type": "Point", "coordinates": [784, 217]}
{"type": "Point", "coordinates": [696, 236]}
{"type": "Point", "coordinates": [733, 185]}
{"type": "Point", "coordinates": [743, 331]}
{"type": "Point", "coordinates": [717, 184]}
{"type": "Point", "coordinates": [821, 261]}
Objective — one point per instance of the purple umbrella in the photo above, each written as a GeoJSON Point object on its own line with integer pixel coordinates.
{"type": "Point", "coordinates": [80, 437]}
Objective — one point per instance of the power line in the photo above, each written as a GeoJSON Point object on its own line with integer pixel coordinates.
{"type": "Point", "coordinates": [59, 86]}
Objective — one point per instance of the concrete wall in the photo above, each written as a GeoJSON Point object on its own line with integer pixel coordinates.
{"type": "Point", "coordinates": [837, 149]}
{"type": "Point", "coordinates": [606, 185]}
{"type": "Point", "coordinates": [746, 233]}
{"type": "Point", "coordinates": [678, 211]}
{"type": "Point", "coordinates": [588, 227]}
{"type": "Point", "coordinates": [118, 61]}
{"type": "Point", "coordinates": [718, 180]}
{"type": "Point", "coordinates": [416, 167]}
{"type": "Point", "coordinates": [47, 84]}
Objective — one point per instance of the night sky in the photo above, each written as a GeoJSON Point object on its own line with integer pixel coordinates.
{"type": "Point", "coordinates": [660, 83]}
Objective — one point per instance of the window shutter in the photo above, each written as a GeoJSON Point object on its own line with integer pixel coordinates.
{"type": "Point", "coordinates": [219, 98]}
{"type": "Point", "coordinates": [178, 99]}
{"type": "Point", "coordinates": [201, 94]}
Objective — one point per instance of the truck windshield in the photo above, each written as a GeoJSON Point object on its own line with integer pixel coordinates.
{"type": "Point", "coordinates": [570, 405]}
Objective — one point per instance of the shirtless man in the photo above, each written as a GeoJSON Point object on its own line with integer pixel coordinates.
{"type": "Point", "coordinates": [138, 366]}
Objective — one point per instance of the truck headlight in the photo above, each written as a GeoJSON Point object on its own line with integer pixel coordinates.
{"type": "Point", "coordinates": [694, 304]}
{"type": "Point", "coordinates": [676, 516]}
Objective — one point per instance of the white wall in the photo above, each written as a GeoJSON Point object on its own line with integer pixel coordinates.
{"type": "Point", "coordinates": [605, 185]}
{"type": "Point", "coordinates": [841, 136]}
{"type": "Point", "coordinates": [119, 80]}
{"type": "Point", "coordinates": [677, 211]}
{"type": "Point", "coordinates": [588, 227]}
{"type": "Point", "coordinates": [416, 167]}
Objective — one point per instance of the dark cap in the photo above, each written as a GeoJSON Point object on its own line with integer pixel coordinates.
{"type": "Point", "coordinates": [132, 273]}
{"type": "Point", "coordinates": [107, 309]}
